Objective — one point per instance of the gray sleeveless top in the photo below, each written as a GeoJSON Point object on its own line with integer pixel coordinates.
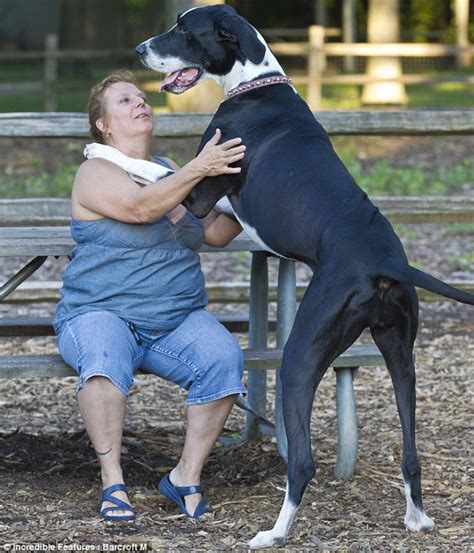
{"type": "Point", "coordinates": [148, 274]}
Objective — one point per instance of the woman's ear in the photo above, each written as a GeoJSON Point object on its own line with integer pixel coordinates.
{"type": "Point", "coordinates": [100, 125]}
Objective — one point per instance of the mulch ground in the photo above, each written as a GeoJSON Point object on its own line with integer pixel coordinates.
{"type": "Point", "coordinates": [49, 478]}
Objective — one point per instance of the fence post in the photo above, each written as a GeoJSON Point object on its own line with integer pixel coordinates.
{"type": "Point", "coordinates": [315, 65]}
{"type": "Point", "coordinates": [50, 73]}
{"type": "Point", "coordinates": [349, 32]}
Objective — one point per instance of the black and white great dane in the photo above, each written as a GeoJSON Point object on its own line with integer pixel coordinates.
{"type": "Point", "coordinates": [295, 197]}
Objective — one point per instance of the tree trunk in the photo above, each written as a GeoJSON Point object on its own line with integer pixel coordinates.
{"type": "Point", "coordinates": [461, 8]}
{"type": "Point", "coordinates": [206, 96]}
{"type": "Point", "coordinates": [383, 26]}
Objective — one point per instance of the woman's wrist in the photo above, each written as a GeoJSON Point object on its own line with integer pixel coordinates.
{"type": "Point", "coordinates": [197, 169]}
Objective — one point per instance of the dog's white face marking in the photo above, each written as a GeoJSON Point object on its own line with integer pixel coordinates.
{"type": "Point", "coordinates": [165, 64]}
{"type": "Point", "coordinates": [277, 535]}
{"type": "Point", "coordinates": [415, 519]}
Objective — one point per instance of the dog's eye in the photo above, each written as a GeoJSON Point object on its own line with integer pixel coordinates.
{"type": "Point", "coordinates": [181, 29]}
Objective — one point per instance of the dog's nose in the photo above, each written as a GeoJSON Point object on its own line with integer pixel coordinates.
{"type": "Point", "coordinates": [141, 49]}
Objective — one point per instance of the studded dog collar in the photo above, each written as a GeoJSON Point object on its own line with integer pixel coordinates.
{"type": "Point", "coordinates": [257, 83]}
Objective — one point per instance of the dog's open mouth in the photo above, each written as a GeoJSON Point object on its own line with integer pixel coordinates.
{"type": "Point", "coordinates": [181, 80]}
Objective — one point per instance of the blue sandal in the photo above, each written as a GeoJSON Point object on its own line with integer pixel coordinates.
{"type": "Point", "coordinates": [120, 505]}
{"type": "Point", "coordinates": [177, 494]}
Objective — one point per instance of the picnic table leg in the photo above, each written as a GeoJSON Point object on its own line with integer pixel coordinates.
{"type": "Point", "coordinates": [347, 440]}
{"type": "Point", "coordinates": [15, 281]}
{"type": "Point", "coordinates": [286, 311]}
{"type": "Point", "coordinates": [258, 330]}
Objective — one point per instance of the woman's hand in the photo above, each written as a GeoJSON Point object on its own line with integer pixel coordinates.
{"type": "Point", "coordinates": [214, 159]}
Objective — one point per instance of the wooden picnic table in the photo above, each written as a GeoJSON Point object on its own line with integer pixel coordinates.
{"type": "Point", "coordinates": [40, 242]}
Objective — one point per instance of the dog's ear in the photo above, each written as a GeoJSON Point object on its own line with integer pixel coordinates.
{"type": "Point", "coordinates": [233, 28]}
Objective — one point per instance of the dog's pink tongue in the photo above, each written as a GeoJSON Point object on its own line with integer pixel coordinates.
{"type": "Point", "coordinates": [169, 79]}
{"type": "Point", "coordinates": [182, 77]}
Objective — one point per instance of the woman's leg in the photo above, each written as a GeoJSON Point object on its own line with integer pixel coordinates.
{"type": "Point", "coordinates": [205, 423]}
{"type": "Point", "coordinates": [100, 346]}
{"type": "Point", "coordinates": [205, 359]}
{"type": "Point", "coordinates": [103, 407]}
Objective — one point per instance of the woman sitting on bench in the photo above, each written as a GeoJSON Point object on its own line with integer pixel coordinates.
{"type": "Point", "coordinates": [133, 294]}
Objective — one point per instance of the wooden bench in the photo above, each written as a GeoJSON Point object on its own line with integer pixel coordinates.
{"type": "Point", "coordinates": [36, 228]}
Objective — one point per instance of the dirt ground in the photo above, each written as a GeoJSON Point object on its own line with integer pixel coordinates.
{"type": "Point", "coordinates": [49, 478]}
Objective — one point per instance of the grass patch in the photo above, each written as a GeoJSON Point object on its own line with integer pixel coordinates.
{"type": "Point", "coordinates": [462, 263]}
{"type": "Point", "coordinates": [460, 228]}
{"type": "Point", "coordinates": [382, 178]}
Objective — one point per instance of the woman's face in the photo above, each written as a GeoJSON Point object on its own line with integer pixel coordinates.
{"type": "Point", "coordinates": [127, 114]}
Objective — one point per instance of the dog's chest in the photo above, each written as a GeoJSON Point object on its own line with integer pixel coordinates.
{"type": "Point", "coordinates": [232, 206]}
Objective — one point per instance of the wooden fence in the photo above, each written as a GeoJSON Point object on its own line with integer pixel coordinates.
{"type": "Point", "coordinates": [315, 50]}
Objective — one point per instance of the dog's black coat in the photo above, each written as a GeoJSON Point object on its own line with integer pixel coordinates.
{"type": "Point", "coordinates": [297, 194]}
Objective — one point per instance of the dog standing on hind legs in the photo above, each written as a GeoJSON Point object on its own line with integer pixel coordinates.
{"type": "Point", "coordinates": [295, 197]}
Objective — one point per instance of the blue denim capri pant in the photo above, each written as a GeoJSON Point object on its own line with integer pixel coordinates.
{"type": "Point", "coordinates": [200, 355]}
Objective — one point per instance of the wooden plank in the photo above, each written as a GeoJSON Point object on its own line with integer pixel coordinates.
{"type": "Point", "coordinates": [41, 212]}
{"type": "Point", "coordinates": [398, 49]}
{"type": "Point", "coordinates": [57, 241]}
{"type": "Point", "coordinates": [26, 326]}
{"type": "Point", "coordinates": [365, 79]}
{"type": "Point", "coordinates": [426, 209]}
{"type": "Point", "coordinates": [409, 122]}
{"type": "Point", "coordinates": [42, 326]}
{"type": "Point", "coordinates": [44, 366]}
{"type": "Point", "coordinates": [231, 292]}
{"type": "Point", "coordinates": [35, 211]}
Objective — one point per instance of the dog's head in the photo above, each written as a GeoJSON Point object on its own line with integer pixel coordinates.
{"type": "Point", "coordinates": [205, 42]}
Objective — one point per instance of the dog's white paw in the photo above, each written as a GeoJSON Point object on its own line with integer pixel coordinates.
{"type": "Point", "coordinates": [267, 539]}
{"type": "Point", "coordinates": [417, 520]}
{"type": "Point", "coordinates": [105, 152]}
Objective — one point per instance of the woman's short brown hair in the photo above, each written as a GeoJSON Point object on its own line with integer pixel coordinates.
{"type": "Point", "coordinates": [96, 105]}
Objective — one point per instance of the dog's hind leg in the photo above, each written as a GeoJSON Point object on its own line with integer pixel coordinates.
{"type": "Point", "coordinates": [324, 327]}
{"type": "Point", "coordinates": [395, 342]}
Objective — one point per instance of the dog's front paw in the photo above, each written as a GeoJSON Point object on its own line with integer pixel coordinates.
{"type": "Point", "coordinates": [105, 152]}
{"type": "Point", "coordinates": [267, 539]}
{"type": "Point", "coordinates": [417, 521]}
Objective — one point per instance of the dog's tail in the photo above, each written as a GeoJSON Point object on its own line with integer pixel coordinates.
{"type": "Point", "coordinates": [424, 280]}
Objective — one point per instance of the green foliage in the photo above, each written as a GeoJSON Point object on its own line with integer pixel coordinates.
{"type": "Point", "coordinates": [384, 178]}
{"type": "Point", "coordinates": [57, 184]}
{"type": "Point", "coordinates": [460, 175]}
{"type": "Point", "coordinates": [425, 16]}
{"type": "Point", "coordinates": [460, 228]}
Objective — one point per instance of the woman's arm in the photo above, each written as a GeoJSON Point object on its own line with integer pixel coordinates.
{"type": "Point", "coordinates": [219, 229]}
{"type": "Point", "coordinates": [103, 189]}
